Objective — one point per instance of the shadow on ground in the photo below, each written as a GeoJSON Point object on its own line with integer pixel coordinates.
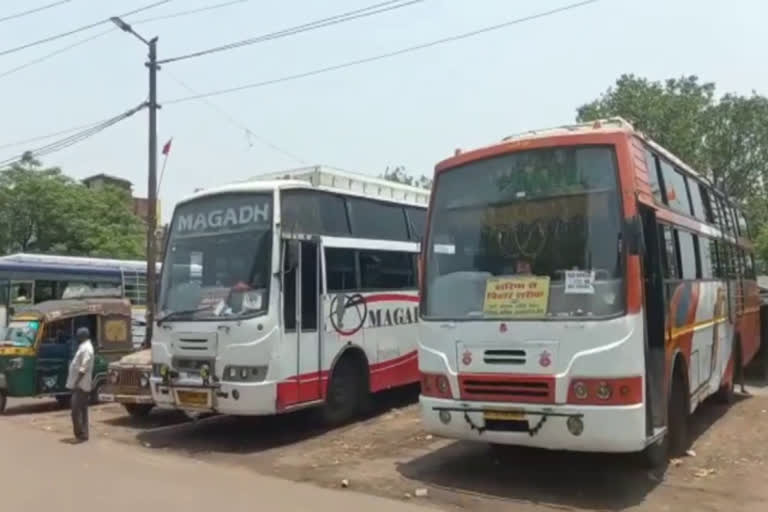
{"type": "Point", "coordinates": [244, 435]}
{"type": "Point", "coordinates": [554, 478]}
{"type": "Point", "coordinates": [156, 419]}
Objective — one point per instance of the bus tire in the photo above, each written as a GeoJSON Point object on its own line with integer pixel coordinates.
{"type": "Point", "coordinates": [678, 413]}
{"type": "Point", "coordinates": [137, 411]}
{"type": "Point", "coordinates": [656, 455]}
{"type": "Point", "coordinates": [726, 394]}
{"type": "Point", "coordinates": [95, 390]}
{"type": "Point", "coordinates": [3, 401]}
{"type": "Point", "coordinates": [343, 398]}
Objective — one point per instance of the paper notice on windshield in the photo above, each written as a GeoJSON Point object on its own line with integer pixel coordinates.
{"type": "Point", "coordinates": [579, 282]}
{"type": "Point", "coordinates": [516, 296]}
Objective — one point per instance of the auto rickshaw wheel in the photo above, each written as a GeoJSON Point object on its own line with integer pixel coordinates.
{"type": "Point", "coordinates": [3, 401]}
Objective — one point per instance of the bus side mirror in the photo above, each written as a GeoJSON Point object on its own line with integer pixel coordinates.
{"type": "Point", "coordinates": [633, 230]}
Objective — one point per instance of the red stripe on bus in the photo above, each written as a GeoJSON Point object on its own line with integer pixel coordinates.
{"type": "Point", "coordinates": [312, 386]}
{"type": "Point", "coordinates": [391, 297]}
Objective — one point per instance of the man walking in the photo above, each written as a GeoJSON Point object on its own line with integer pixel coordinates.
{"type": "Point", "coordinates": [79, 381]}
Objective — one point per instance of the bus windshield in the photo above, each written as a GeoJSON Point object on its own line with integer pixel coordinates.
{"type": "Point", "coordinates": [217, 263]}
{"type": "Point", "coordinates": [532, 234]}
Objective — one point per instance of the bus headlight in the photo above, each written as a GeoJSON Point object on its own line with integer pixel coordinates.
{"type": "Point", "coordinates": [114, 377]}
{"type": "Point", "coordinates": [245, 373]}
{"type": "Point", "coordinates": [604, 391]}
{"type": "Point", "coordinates": [144, 380]}
{"type": "Point", "coordinates": [580, 390]}
{"type": "Point", "coordinates": [205, 371]}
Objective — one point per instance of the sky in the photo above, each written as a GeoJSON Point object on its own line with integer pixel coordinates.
{"type": "Point", "coordinates": [412, 110]}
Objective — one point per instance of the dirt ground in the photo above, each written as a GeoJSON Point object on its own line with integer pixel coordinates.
{"type": "Point", "coordinates": [389, 455]}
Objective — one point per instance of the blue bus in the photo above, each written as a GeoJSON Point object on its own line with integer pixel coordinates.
{"type": "Point", "coordinates": [27, 279]}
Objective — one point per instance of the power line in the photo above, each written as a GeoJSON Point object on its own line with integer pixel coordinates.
{"type": "Point", "coordinates": [383, 56]}
{"type": "Point", "coordinates": [364, 12]}
{"type": "Point", "coordinates": [73, 139]}
{"type": "Point", "coordinates": [248, 132]}
{"type": "Point", "coordinates": [81, 42]}
{"type": "Point", "coordinates": [33, 11]}
{"type": "Point", "coordinates": [80, 29]}
{"type": "Point", "coordinates": [188, 12]}
{"type": "Point", "coordinates": [50, 135]}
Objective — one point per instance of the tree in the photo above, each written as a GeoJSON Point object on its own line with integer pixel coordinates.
{"type": "Point", "coordinates": [44, 211]}
{"type": "Point", "coordinates": [725, 139]}
{"type": "Point", "coordinates": [398, 174]}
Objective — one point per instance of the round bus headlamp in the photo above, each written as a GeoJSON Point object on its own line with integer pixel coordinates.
{"type": "Point", "coordinates": [244, 373]}
{"type": "Point", "coordinates": [205, 371]}
{"type": "Point", "coordinates": [580, 390]}
{"type": "Point", "coordinates": [144, 380]}
{"type": "Point", "coordinates": [575, 425]}
{"type": "Point", "coordinates": [442, 385]}
{"type": "Point", "coordinates": [604, 391]}
{"type": "Point", "coordinates": [164, 371]}
{"type": "Point", "coordinates": [445, 417]}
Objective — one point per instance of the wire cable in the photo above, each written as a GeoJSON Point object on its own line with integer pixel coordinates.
{"type": "Point", "coordinates": [80, 29]}
{"type": "Point", "coordinates": [73, 139]}
{"type": "Point", "coordinates": [81, 42]}
{"type": "Point", "coordinates": [382, 56]}
{"type": "Point", "coordinates": [237, 124]}
{"type": "Point", "coordinates": [33, 11]}
{"type": "Point", "coordinates": [189, 12]}
{"type": "Point", "coordinates": [344, 17]}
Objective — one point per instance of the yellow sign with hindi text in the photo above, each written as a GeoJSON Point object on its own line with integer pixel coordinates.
{"type": "Point", "coordinates": [516, 296]}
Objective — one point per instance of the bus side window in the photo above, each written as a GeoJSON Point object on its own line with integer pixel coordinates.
{"type": "Point", "coordinates": [671, 260]}
{"type": "Point", "coordinates": [689, 264]}
{"type": "Point", "coordinates": [707, 204]}
{"type": "Point", "coordinates": [386, 270]}
{"type": "Point", "coordinates": [340, 270]}
{"type": "Point", "coordinates": [707, 258]}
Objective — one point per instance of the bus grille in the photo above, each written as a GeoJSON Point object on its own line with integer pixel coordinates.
{"type": "Point", "coordinates": [501, 388]}
{"type": "Point", "coordinates": [129, 378]}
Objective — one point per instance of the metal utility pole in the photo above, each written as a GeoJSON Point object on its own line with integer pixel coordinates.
{"type": "Point", "coordinates": [152, 192]}
{"type": "Point", "coordinates": [151, 177]}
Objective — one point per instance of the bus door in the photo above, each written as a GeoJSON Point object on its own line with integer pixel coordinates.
{"type": "Point", "coordinates": [301, 294]}
{"type": "Point", "coordinates": [654, 307]}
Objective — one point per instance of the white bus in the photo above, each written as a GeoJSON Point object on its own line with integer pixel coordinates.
{"type": "Point", "coordinates": [305, 294]}
{"type": "Point", "coordinates": [584, 289]}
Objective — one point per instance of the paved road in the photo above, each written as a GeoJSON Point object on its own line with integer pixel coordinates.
{"type": "Point", "coordinates": [39, 471]}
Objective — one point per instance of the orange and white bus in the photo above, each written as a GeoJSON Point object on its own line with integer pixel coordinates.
{"type": "Point", "coordinates": [583, 289]}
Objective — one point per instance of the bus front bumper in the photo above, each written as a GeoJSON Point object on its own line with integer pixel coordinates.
{"type": "Point", "coordinates": [618, 429]}
{"type": "Point", "coordinates": [242, 399]}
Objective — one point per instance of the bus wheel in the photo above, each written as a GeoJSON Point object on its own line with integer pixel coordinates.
{"type": "Point", "coordinates": [342, 401]}
{"type": "Point", "coordinates": [726, 393]}
{"type": "Point", "coordinates": [3, 401]}
{"type": "Point", "coordinates": [138, 410]}
{"type": "Point", "coordinates": [677, 417]}
{"type": "Point", "coordinates": [97, 387]}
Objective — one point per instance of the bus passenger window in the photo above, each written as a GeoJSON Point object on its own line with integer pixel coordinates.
{"type": "Point", "coordinates": [386, 270]}
{"type": "Point", "coordinates": [671, 262]}
{"type": "Point", "coordinates": [708, 258]}
{"type": "Point", "coordinates": [687, 255]}
{"type": "Point", "coordinates": [340, 269]}
{"type": "Point", "coordinates": [652, 164]}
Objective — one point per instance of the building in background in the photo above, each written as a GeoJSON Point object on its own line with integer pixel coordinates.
{"type": "Point", "coordinates": [140, 204]}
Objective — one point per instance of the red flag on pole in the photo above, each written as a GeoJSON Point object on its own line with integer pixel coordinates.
{"type": "Point", "coordinates": [167, 147]}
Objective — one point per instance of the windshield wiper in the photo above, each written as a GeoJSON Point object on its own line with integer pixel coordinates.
{"type": "Point", "coordinates": [181, 312]}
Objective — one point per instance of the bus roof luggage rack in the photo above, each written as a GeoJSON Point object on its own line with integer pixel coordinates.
{"type": "Point", "coordinates": [351, 182]}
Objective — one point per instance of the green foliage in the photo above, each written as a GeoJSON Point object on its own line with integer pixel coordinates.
{"type": "Point", "coordinates": [725, 139]}
{"type": "Point", "coordinates": [44, 211]}
{"type": "Point", "coordinates": [398, 174]}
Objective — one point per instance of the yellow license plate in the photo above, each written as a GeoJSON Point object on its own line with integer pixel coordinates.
{"type": "Point", "coordinates": [193, 398]}
{"type": "Point", "coordinates": [504, 415]}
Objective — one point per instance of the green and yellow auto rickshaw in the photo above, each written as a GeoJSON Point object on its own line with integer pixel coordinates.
{"type": "Point", "coordinates": [39, 343]}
